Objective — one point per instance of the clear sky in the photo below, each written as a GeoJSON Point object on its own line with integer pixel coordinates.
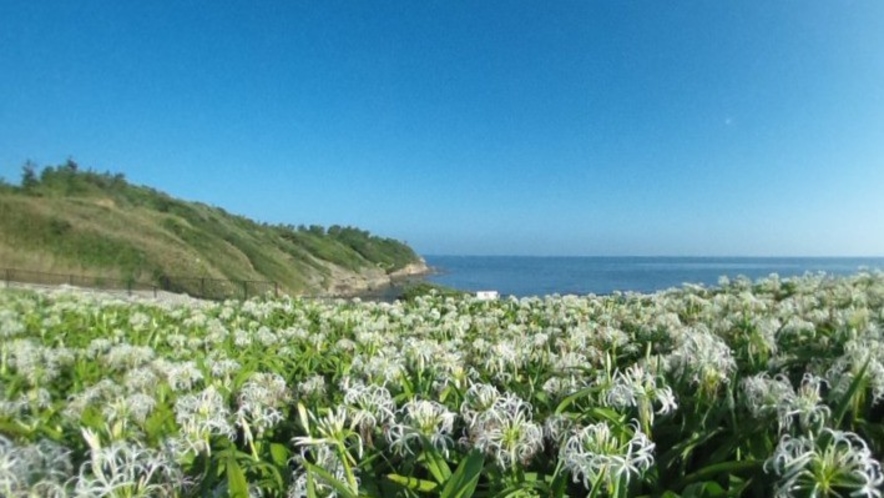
{"type": "Point", "coordinates": [474, 127]}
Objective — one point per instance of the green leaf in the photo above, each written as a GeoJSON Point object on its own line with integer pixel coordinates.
{"type": "Point", "coordinates": [329, 479]}
{"type": "Point", "coordinates": [463, 482]}
{"type": "Point", "coordinates": [13, 428]}
{"type": "Point", "coordinates": [734, 467]}
{"type": "Point", "coordinates": [437, 465]}
{"type": "Point", "coordinates": [608, 414]}
{"type": "Point", "coordinates": [685, 448]}
{"type": "Point", "coordinates": [844, 402]}
{"type": "Point", "coordinates": [237, 486]}
{"type": "Point", "coordinates": [311, 486]}
{"type": "Point", "coordinates": [708, 489]}
{"type": "Point", "coordinates": [737, 486]}
{"type": "Point", "coordinates": [572, 398]}
{"type": "Point", "coordinates": [559, 485]}
{"type": "Point", "coordinates": [413, 483]}
{"type": "Point", "coordinates": [280, 454]}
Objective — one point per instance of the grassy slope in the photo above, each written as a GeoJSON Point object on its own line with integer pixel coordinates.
{"type": "Point", "coordinates": [66, 220]}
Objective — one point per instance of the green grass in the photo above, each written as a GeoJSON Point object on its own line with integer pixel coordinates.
{"type": "Point", "coordinates": [67, 218]}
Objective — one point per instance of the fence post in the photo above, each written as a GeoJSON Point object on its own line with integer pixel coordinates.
{"type": "Point", "coordinates": [245, 290]}
{"type": "Point", "coordinates": [203, 287]}
{"type": "Point", "coordinates": [276, 289]}
{"type": "Point", "coordinates": [154, 291]}
{"type": "Point", "coordinates": [129, 287]}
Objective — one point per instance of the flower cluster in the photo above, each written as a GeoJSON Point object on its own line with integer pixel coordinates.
{"type": "Point", "coordinates": [754, 387]}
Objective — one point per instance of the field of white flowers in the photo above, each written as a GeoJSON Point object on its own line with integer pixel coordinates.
{"type": "Point", "coordinates": [763, 388]}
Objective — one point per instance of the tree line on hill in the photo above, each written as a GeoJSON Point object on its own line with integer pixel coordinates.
{"type": "Point", "coordinates": [200, 226]}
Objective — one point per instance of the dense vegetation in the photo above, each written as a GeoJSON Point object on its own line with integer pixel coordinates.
{"type": "Point", "coordinates": [768, 388]}
{"type": "Point", "coordinates": [66, 219]}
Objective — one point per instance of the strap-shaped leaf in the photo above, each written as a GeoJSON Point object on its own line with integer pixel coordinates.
{"type": "Point", "coordinates": [463, 481]}
{"type": "Point", "coordinates": [413, 483]}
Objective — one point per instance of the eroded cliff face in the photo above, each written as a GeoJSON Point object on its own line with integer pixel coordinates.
{"type": "Point", "coordinates": [344, 283]}
{"type": "Point", "coordinates": [412, 270]}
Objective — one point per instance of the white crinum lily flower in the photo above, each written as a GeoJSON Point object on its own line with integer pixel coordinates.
{"type": "Point", "coordinates": [370, 406]}
{"type": "Point", "coordinates": [478, 398]}
{"type": "Point", "coordinates": [598, 454]}
{"type": "Point", "coordinates": [637, 387]}
{"type": "Point", "coordinates": [827, 464]}
{"type": "Point", "coordinates": [260, 401]}
{"type": "Point", "coordinates": [864, 354]}
{"type": "Point", "coordinates": [324, 457]}
{"type": "Point", "coordinates": [128, 469]}
{"type": "Point", "coordinates": [807, 405]}
{"type": "Point", "coordinates": [507, 432]}
{"type": "Point", "coordinates": [765, 396]}
{"type": "Point", "coordinates": [329, 429]}
{"type": "Point", "coordinates": [39, 469]}
{"type": "Point", "coordinates": [201, 416]}
{"type": "Point", "coordinates": [705, 358]}
{"type": "Point", "coordinates": [422, 420]}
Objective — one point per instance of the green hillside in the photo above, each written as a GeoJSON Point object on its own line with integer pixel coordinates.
{"type": "Point", "coordinates": [64, 219]}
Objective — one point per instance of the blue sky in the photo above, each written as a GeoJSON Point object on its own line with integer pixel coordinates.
{"type": "Point", "coordinates": [474, 127]}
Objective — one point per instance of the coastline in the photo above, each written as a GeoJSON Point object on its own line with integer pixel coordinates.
{"type": "Point", "coordinates": [525, 276]}
{"type": "Point", "coordinates": [375, 283]}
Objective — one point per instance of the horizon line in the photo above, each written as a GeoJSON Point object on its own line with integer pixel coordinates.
{"type": "Point", "coordinates": [662, 256]}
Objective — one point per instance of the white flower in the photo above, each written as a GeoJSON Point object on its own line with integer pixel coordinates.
{"type": "Point", "coordinates": [120, 411]}
{"type": "Point", "coordinates": [826, 465]}
{"type": "Point", "coordinates": [502, 360]}
{"type": "Point", "coordinates": [422, 420]}
{"type": "Point", "coordinates": [867, 352]}
{"type": "Point", "coordinates": [126, 469]}
{"type": "Point", "coordinates": [507, 432]}
{"type": "Point", "coordinates": [182, 376]}
{"type": "Point", "coordinates": [312, 386]}
{"type": "Point", "coordinates": [97, 394]}
{"type": "Point", "coordinates": [570, 362]}
{"type": "Point", "coordinates": [39, 469]}
{"type": "Point", "coordinates": [478, 399]}
{"type": "Point", "coordinates": [33, 361]}
{"type": "Point", "coordinates": [126, 356]}
{"type": "Point", "coordinates": [322, 456]}
{"type": "Point", "coordinates": [223, 368]}
{"type": "Point", "coordinates": [382, 368]}
{"type": "Point", "coordinates": [139, 321]}
{"type": "Point", "coordinates": [10, 325]}
{"type": "Point", "coordinates": [706, 358]}
{"type": "Point", "coordinates": [596, 454]}
{"type": "Point", "coordinates": [260, 400]}
{"type": "Point", "coordinates": [201, 416]}
{"type": "Point", "coordinates": [766, 396]}
{"type": "Point", "coordinates": [98, 346]}
{"type": "Point", "coordinates": [241, 338]}
{"type": "Point", "coordinates": [807, 404]}
{"type": "Point", "coordinates": [636, 387]}
{"type": "Point", "coordinates": [330, 429]}
{"type": "Point", "coordinates": [369, 406]}
{"type": "Point", "coordinates": [140, 380]}
{"type": "Point", "coordinates": [556, 428]}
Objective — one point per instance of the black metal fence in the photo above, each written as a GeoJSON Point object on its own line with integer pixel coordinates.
{"type": "Point", "coordinates": [199, 287]}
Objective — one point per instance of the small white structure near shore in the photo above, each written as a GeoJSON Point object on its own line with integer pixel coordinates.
{"type": "Point", "coordinates": [487, 295]}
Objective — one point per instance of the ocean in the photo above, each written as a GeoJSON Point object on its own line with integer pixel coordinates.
{"type": "Point", "coordinates": [522, 276]}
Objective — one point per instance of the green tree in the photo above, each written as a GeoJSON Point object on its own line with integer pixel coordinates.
{"type": "Point", "coordinates": [29, 175]}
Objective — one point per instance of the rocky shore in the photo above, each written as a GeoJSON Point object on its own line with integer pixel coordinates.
{"type": "Point", "coordinates": [343, 283]}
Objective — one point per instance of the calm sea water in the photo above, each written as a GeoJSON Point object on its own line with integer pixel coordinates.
{"type": "Point", "coordinates": [538, 276]}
